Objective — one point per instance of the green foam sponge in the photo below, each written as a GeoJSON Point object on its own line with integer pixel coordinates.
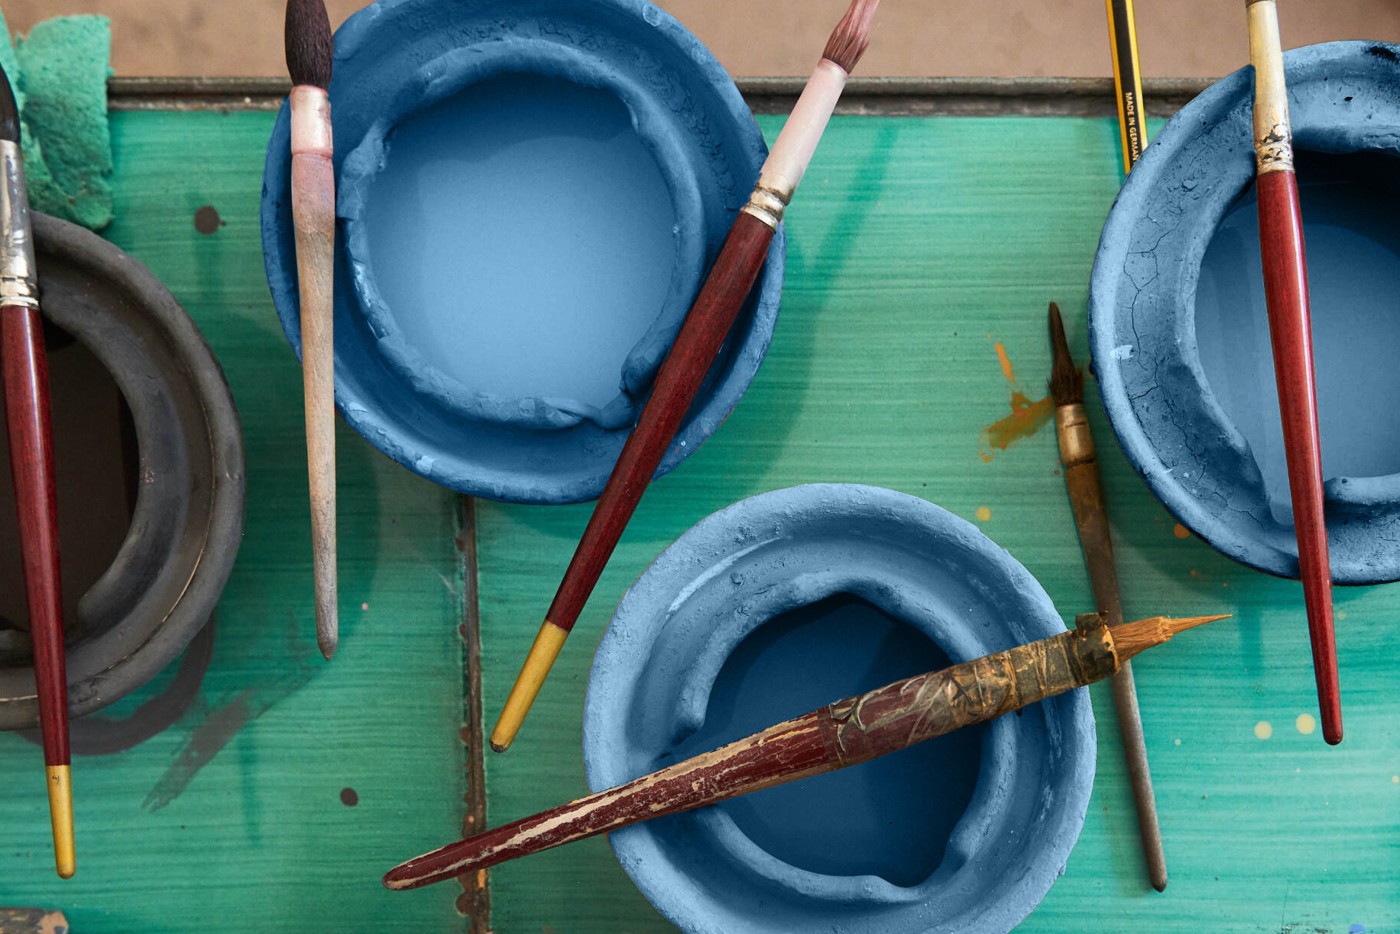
{"type": "Point", "coordinates": [59, 74]}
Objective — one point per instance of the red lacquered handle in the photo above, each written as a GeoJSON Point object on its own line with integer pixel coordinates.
{"type": "Point", "coordinates": [680, 376]}
{"type": "Point", "coordinates": [26, 384]}
{"type": "Point", "coordinates": [1290, 330]}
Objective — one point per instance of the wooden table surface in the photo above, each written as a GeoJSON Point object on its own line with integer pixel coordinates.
{"type": "Point", "coordinates": [921, 254]}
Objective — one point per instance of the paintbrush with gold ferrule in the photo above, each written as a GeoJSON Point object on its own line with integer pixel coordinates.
{"type": "Point", "coordinates": [842, 734]}
{"type": "Point", "coordinates": [27, 419]}
{"type": "Point", "coordinates": [709, 321]}
{"type": "Point", "coordinates": [309, 53]}
{"type": "Point", "coordinates": [1085, 487]}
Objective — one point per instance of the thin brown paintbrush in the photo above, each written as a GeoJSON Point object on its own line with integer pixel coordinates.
{"type": "Point", "coordinates": [842, 734]}
{"type": "Point", "coordinates": [701, 336]}
{"type": "Point", "coordinates": [1086, 498]}
{"type": "Point", "coordinates": [309, 53]}
{"type": "Point", "coordinates": [27, 418]}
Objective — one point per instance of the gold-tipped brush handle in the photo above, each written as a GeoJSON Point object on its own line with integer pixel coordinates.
{"type": "Point", "coordinates": [313, 217]}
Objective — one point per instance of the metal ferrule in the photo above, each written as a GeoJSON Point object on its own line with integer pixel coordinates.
{"type": "Point", "coordinates": [1076, 442]}
{"type": "Point", "coordinates": [18, 283]}
{"type": "Point", "coordinates": [768, 204]}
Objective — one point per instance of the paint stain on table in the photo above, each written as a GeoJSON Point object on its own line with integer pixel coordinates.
{"type": "Point", "coordinates": [1026, 417]}
{"type": "Point", "coordinates": [207, 220]}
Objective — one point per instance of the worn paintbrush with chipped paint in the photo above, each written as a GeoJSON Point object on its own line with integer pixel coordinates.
{"type": "Point", "coordinates": [25, 372]}
{"type": "Point", "coordinates": [1290, 334]}
{"type": "Point", "coordinates": [1085, 487]}
{"type": "Point", "coordinates": [309, 53]}
{"type": "Point", "coordinates": [839, 735]}
{"type": "Point", "coordinates": [710, 319]}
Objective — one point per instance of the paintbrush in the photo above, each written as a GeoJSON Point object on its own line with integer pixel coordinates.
{"type": "Point", "coordinates": [689, 359]}
{"type": "Point", "coordinates": [842, 734]}
{"type": "Point", "coordinates": [25, 372]}
{"type": "Point", "coordinates": [309, 53]}
{"type": "Point", "coordinates": [1086, 498]}
{"type": "Point", "coordinates": [1290, 332]}
{"type": "Point", "coordinates": [1127, 79]}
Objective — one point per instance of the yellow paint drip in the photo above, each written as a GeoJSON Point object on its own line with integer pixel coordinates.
{"type": "Point", "coordinates": [1263, 729]}
{"type": "Point", "coordinates": [1006, 369]}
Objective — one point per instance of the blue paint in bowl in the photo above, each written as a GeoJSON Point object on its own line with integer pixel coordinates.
{"type": "Point", "coordinates": [1178, 326]}
{"type": "Point", "coordinates": [785, 602]}
{"type": "Point", "coordinates": [529, 197]}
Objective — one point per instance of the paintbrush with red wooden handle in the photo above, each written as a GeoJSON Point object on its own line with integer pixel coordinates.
{"type": "Point", "coordinates": [839, 735]}
{"type": "Point", "coordinates": [309, 53]}
{"type": "Point", "coordinates": [1290, 331]}
{"type": "Point", "coordinates": [710, 318]}
{"type": "Point", "coordinates": [25, 374]}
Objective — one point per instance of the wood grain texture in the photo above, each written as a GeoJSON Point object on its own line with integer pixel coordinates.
{"type": "Point", "coordinates": [236, 808]}
{"type": "Point", "coordinates": [29, 424]}
{"type": "Point", "coordinates": [916, 246]}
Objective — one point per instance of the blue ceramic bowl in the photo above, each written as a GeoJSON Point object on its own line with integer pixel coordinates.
{"type": "Point", "coordinates": [1179, 332]}
{"type": "Point", "coordinates": [788, 601]}
{"type": "Point", "coordinates": [529, 197]}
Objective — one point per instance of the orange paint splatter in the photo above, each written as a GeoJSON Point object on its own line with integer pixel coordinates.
{"type": "Point", "coordinates": [1006, 368]}
{"type": "Point", "coordinates": [983, 514]}
{"type": "Point", "coordinates": [1026, 419]}
{"type": "Point", "coordinates": [1181, 531]}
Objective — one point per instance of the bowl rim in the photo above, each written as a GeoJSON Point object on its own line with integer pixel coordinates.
{"type": "Point", "coordinates": [1167, 183]}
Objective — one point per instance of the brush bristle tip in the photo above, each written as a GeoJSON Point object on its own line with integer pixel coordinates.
{"type": "Point", "coordinates": [851, 37]}
{"type": "Point", "coordinates": [310, 46]}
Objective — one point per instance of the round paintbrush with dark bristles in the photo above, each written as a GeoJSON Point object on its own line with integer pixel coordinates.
{"type": "Point", "coordinates": [309, 53]}
{"type": "Point", "coordinates": [1086, 498]}
{"type": "Point", "coordinates": [839, 735]}
{"type": "Point", "coordinates": [709, 321]}
{"type": "Point", "coordinates": [24, 372]}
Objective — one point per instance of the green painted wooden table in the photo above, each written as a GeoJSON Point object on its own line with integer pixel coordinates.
{"type": "Point", "coordinates": [922, 252]}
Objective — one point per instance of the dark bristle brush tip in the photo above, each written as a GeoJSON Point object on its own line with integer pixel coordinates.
{"type": "Point", "coordinates": [9, 110]}
{"type": "Point", "coordinates": [310, 48]}
{"type": "Point", "coordinates": [1066, 379]}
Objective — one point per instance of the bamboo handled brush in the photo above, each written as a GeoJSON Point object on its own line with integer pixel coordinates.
{"type": "Point", "coordinates": [27, 419]}
{"type": "Point", "coordinates": [309, 54]}
{"type": "Point", "coordinates": [710, 318]}
{"type": "Point", "coordinates": [1290, 332]}
{"type": "Point", "coordinates": [1085, 487]}
{"type": "Point", "coordinates": [842, 734]}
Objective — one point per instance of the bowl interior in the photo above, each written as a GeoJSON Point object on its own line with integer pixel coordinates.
{"type": "Point", "coordinates": [890, 817]}
{"type": "Point", "coordinates": [1350, 202]}
{"type": "Point", "coordinates": [523, 240]}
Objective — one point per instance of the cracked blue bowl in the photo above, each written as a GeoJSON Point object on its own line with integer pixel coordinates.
{"type": "Point", "coordinates": [1179, 330]}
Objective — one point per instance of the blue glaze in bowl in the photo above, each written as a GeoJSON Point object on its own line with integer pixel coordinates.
{"type": "Point", "coordinates": [788, 601]}
{"type": "Point", "coordinates": [1178, 328]}
{"type": "Point", "coordinates": [529, 197]}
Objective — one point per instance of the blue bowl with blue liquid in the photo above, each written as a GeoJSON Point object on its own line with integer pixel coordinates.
{"type": "Point", "coordinates": [786, 602]}
{"type": "Point", "coordinates": [1179, 329]}
{"type": "Point", "coordinates": [529, 197]}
